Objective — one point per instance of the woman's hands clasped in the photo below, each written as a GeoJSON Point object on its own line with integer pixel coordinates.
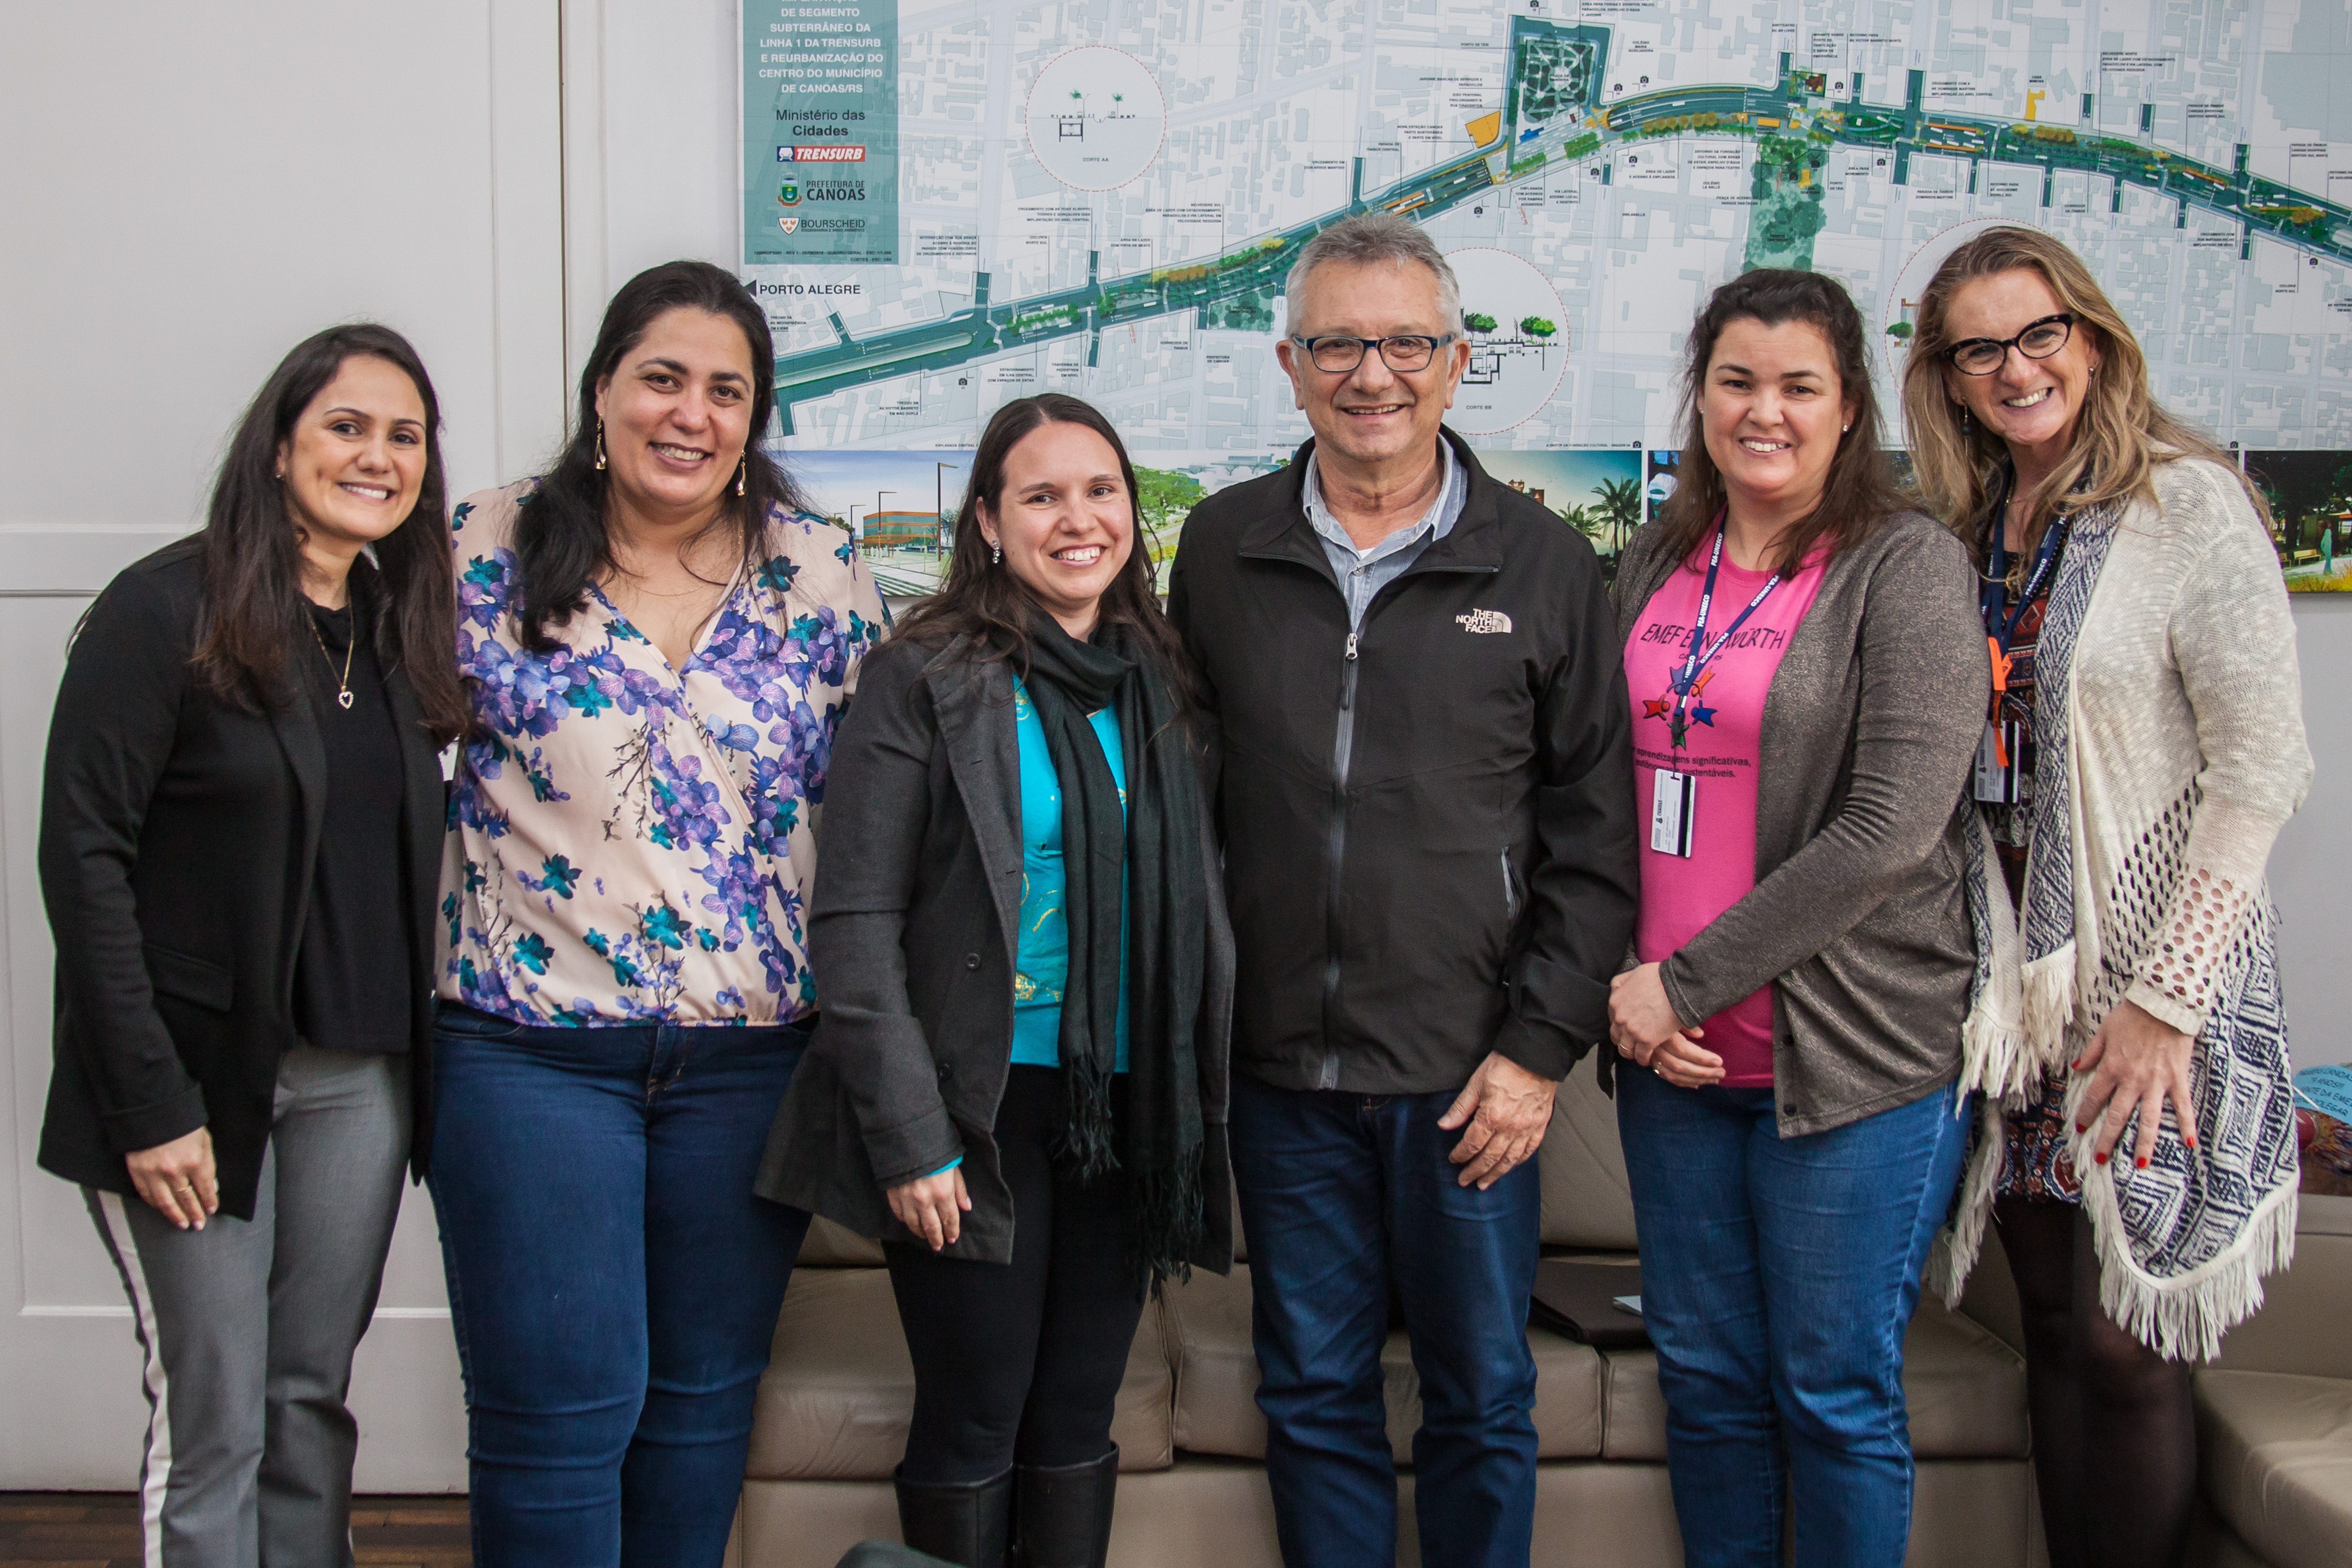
{"type": "Point", "coordinates": [933, 1206]}
{"type": "Point", "coordinates": [177, 1179]}
{"type": "Point", "coordinates": [1643, 1024]}
{"type": "Point", "coordinates": [2135, 1064]}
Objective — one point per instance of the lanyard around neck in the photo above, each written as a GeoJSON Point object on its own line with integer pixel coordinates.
{"type": "Point", "coordinates": [1696, 660]}
{"type": "Point", "coordinates": [2002, 617]}
{"type": "Point", "coordinates": [1686, 678]}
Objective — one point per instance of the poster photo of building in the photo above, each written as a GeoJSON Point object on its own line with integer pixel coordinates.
{"type": "Point", "coordinates": [2310, 499]}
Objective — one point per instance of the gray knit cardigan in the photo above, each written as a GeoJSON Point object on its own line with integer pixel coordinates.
{"type": "Point", "coordinates": [1858, 919]}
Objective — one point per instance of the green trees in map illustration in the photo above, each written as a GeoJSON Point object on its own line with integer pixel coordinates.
{"type": "Point", "coordinates": [1900, 331]}
{"type": "Point", "coordinates": [1536, 327]}
{"type": "Point", "coordinates": [1788, 211]}
{"type": "Point", "coordinates": [1251, 311]}
{"type": "Point", "coordinates": [1790, 153]}
{"type": "Point", "coordinates": [1476, 322]}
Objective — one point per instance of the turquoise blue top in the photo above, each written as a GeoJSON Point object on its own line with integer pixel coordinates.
{"type": "Point", "coordinates": [1043, 964]}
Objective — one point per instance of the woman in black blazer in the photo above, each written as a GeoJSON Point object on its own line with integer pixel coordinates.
{"type": "Point", "coordinates": [240, 843]}
{"type": "Point", "coordinates": [1020, 937]}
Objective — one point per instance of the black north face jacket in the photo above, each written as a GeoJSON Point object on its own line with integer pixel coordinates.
{"type": "Point", "coordinates": [1428, 823]}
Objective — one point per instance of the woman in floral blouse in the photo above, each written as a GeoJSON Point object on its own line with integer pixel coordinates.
{"type": "Point", "coordinates": [657, 640]}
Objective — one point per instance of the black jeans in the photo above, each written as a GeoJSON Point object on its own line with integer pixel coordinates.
{"type": "Point", "coordinates": [1022, 1361]}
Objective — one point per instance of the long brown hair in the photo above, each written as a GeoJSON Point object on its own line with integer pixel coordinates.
{"type": "Point", "coordinates": [1859, 492]}
{"type": "Point", "coordinates": [561, 547]}
{"type": "Point", "coordinates": [252, 608]}
{"type": "Point", "coordinates": [2120, 435]}
{"type": "Point", "coordinates": [983, 600]}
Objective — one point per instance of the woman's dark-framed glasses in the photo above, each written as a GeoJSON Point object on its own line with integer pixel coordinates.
{"type": "Point", "coordinates": [1982, 356]}
{"type": "Point", "coordinates": [1408, 351]}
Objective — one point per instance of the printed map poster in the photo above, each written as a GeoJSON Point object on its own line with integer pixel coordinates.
{"type": "Point", "coordinates": [1106, 199]}
{"type": "Point", "coordinates": [820, 131]}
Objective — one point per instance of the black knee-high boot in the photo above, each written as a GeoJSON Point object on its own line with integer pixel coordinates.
{"type": "Point", "coordinates": [1065, 1512]}
{"type": "Point", "coordinates": [965, 1523]}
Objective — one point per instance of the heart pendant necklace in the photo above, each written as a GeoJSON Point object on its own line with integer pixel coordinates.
{"type": "Point", "coordinates": [342, 697]}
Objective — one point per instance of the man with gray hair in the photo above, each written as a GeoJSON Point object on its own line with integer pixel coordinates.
{"type": "Point", "coordinates": [1427, 803]}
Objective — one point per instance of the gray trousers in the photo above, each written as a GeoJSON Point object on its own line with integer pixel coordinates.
{"type": "Point", "coordinates": [248, 1327]}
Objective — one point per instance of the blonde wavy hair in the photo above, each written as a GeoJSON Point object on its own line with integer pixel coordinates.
{"type": "Point", "coordinates": [2121, 434]}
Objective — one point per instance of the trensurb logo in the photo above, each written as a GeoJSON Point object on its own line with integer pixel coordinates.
{"type": "Point", "coordinates": [788, 194]}
{"type": "Point", "coordinates": [1484, 620]}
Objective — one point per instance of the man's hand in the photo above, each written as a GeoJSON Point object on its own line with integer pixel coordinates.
{"type": "Point", "coordinates": [933, 1206]}
{"type": "Point", "coordinates": [1508, 1109]}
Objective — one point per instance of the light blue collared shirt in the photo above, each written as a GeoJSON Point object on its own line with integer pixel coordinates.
{"type": "Point", "coordinates": [1363, 573]}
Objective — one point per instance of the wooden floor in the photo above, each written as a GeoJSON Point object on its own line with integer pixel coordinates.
{"type": "Point", "coordinates": [100, 1530]}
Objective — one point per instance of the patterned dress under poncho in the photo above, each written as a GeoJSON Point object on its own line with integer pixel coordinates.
{"type": "Point", "coordinates": [2036, 1163]}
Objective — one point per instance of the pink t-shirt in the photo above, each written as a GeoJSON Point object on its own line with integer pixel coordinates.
{"type": "Point", "coordinates": [1680, 895]}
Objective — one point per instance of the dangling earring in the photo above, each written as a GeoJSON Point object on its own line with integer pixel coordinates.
{"type": "Point", "coordinates": [1966, 423]}
{"type": "Point", "coordinates": [996, 553]}
{"type": "Point", "coordinates": [743, 465]}
{"type": "Point", "coordinates": [600, 445]}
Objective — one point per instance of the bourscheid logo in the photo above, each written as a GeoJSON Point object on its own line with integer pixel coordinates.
{"type": "Point", "coordinates": [1484, 620]}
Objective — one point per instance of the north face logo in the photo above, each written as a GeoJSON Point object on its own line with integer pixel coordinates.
{"type": "Point", "coordinates": [1484, 620]}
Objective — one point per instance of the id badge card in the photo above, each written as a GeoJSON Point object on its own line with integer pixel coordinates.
{"type": "Point", "coordinates": [1674, 812]}
{"type": "Point", "coordinates": [1997, 775]}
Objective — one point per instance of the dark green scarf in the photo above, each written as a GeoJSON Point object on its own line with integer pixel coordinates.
{"type": "Point", "coordinates": [1155, 843]}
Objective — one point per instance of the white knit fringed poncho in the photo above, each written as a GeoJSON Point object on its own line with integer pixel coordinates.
{"type": "Point", "coordinates": [2170, 730]}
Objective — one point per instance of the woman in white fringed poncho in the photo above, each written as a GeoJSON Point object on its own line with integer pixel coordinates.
{"type": "Point", "coordinates": [2145, 746]}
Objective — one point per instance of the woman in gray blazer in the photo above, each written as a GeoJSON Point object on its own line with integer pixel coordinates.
{"type": "Point", "coordinates": [1019, 1081]}
{"type": "Point", "coordinates": [1806, 673]}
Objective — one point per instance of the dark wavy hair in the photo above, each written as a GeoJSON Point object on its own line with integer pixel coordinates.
{"type": "Point", "coordinates": [561, 548]}
{"type": "Point", "coordinates": [253, 610]}
{"type": "Point", "coordinates": [984, 601]}
{"type": "Point", "coordinates": [1859, 493]}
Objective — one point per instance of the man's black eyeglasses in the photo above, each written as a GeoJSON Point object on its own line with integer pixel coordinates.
{"type": "Point", "coordinates": [1982, 356]}
{"type": "Point", "coordinates": [1408, 351]}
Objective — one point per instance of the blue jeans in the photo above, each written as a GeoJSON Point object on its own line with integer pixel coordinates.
{"type": "Point", "coordinates": [1343, 1197]}
{"type": "Point", "coordinates": [613, 1282]}
{"type": "Point", "coordinates": [1778, 1278]}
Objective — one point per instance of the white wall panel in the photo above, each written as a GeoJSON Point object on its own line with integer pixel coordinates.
{"type": "Point", "coordinates": [192, 189]}
{"type": "Point", "coordinates": [649, 146]}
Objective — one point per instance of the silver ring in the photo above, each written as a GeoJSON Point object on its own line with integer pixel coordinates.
{"type": "Point", "coordinates": [1657, 1069]}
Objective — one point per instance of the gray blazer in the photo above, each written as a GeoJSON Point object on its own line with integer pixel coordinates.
{"type": "Point", "coordinates": [1858, 915]}
{"type": "Point", "coordinates": [913, 935]}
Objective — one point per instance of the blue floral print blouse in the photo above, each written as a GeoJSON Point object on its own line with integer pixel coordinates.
{"type": "Point", "coordinates": [630, 843]}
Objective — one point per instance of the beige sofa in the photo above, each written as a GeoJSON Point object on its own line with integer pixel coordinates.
{"type": "Point", "coordinates": [2274, 1413]}
{"type": "Point", "coordinates": [833, 1406]}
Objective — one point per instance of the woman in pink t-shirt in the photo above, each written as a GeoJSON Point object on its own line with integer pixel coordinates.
{"type": "Point", "coordinates": [1807, 678]}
